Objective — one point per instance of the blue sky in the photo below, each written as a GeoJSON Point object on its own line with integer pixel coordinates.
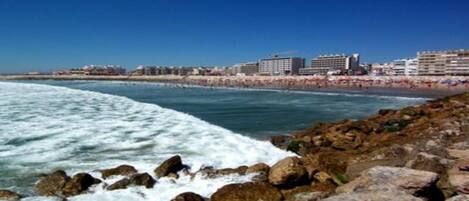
{"type": "Point", "coordinates": [53, 34]}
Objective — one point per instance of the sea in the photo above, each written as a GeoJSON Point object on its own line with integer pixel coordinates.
{"type": "Point", "coordinates": [84, 126]}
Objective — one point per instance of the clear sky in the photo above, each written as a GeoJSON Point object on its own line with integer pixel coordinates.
{"type": "Point", "coordinates": [42, 35]}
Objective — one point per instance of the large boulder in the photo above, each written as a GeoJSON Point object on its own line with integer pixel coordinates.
{"type": "Point", "coordinates": [80, 182]}
{"type": "Point", "coordinates": [458, 176]}
{"type": "Point", "coordinates": [288, 172]}
{"type": "Point", "coordinates": [143, 179]}
{"type": "Point", "coordinates": [171, 165]}
{"type": "Point", "coordinates": [9, 195]}
{"type": "Point", "coordinates": [52, 184]}
{"type": "Point", "coordinates": [188, 196]}
{"type": "Point", "coordinates": [123, 170]}
{"type": "Point", "coordinates": [385, 179]}
{"type": "Point", "coordinates": [251, 191]}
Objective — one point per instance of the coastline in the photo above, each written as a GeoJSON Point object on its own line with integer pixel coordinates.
{"type": "Point", "coordinates": [407, 86]}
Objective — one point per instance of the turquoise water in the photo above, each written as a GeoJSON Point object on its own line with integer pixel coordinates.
{"type": "Point", "coordinates": [256, 113]}
{"type": "Point", "coordinates": [88, 125]}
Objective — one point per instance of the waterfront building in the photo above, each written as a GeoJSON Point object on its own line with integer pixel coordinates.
{"type": "Point", "coordinates": [333, 64]}
{"type": "Point", "coordinates": [405, 67]}
{"type": "Point", "coordinates": [250, 68]}
{"type": "Point", "coordinates": [382, 69]}
{"type": "Point", "coordinates": [103, 70]}
{"type": "Point", "coordinates": [281, 65]}
{"type": "Point", "coordinates": [449, 62]}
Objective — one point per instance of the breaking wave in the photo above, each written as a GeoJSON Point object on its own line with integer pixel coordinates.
{"type": "Point", "coordinates": [43, 128]}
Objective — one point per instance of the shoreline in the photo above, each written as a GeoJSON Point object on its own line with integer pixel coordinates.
{"type": "Point", "coordinates": [433, 87]}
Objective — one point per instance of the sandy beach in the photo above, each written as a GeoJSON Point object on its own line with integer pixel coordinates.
{"type": "Point", "coordinates": [419, 84]}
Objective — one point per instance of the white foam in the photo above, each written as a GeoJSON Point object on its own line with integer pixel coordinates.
{"type": "Point", "coordinates": [45, 127]}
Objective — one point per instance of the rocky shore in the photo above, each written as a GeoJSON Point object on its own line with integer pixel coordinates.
{"type": "Point", "coordinates": [416, 153]}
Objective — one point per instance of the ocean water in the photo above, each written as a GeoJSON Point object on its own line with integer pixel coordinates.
{"type": "Point", "coordinates": [89, 125]}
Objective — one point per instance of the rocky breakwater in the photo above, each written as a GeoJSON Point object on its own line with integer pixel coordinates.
{"type": "Point", "coordinates": [418, 153]}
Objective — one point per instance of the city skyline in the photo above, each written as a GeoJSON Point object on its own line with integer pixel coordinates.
{"type": "Point", "coordinates": [48, 35]}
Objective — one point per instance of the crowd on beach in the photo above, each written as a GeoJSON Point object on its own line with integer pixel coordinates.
{"type": "Point", "coordinates": [317, 82]}
{"type": "Point", "coordinates": [456, 83]}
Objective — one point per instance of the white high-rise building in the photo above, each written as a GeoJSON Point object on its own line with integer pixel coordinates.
{"type": "Point", "coordinates": [449, 62]}
{"type": "Point", "coordinates": [405, 67]}
{"type": "Point", "coordinates": [281, 65]}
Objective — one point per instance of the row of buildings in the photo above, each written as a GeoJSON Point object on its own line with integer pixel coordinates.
{"type": "Point", "coordinates": [428, 63]}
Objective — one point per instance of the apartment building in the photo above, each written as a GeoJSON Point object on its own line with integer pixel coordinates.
{"type": "Point", "coordinates": [332, 64]}
{"type": "Point", "coordinates": [449, 62]}
{"type": "Point", "coordinates": [249, 68]}
{"type": "Point", "coordinates": [405, 67]}
{"type": "Point", "coordinates": [281, 65]}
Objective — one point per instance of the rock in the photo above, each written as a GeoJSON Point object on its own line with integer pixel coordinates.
{"type": "Point", "coordinates": [262, 171]}
{"type": "Point", "coordinates": [303, 193]}
{"type": "Point", "coordinates": [123, 170]}
{"type": "Point", "coordinates": [322, 177]}
{"type": "Point", "coordinates": [280, 141]}
{"type": "Point", "coordinates": [458, 154]}
{"type": "Point", "coordinates": [288, 172]}
{"type": "Point", "coordinates": [121, 184]}
{"type": "Point", "coordinates": [258, 168]}
{"type": "Point", "coordinates": [143, 179]}
{"type": "Point", "coordinates": [309, 196]}
{"type": "Point", "coordinates": [355, 169]}
{"type": "Point", "coordinates": [188, 196]}
{"type": "Point", "coordinates": [383, 112]}
{"type": "Point", "coordinates": [79, 183]}
{"type": "Point", "coordinates": [391, 195]}
{"type": "Point", "coordinates": [251, 191]}
{"type": "Point", "coordinates": [9, 195]}
{"type": "Point", "coordinates": [458, 178]}
{"type": "Point", "coordinates": [384, 178]}
{"type": "Point", "coordinates": [210, 172]}
{"type": "Point", "coordinates": [171, 165]}
{"type": "Point", "coordinates": [428, 162]}
{"type": "Point", "coordinates": [459, 198]}
{"type": "Point", "coordinates": [52, 184]}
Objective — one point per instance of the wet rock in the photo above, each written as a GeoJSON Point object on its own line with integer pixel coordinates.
{"type": "Point", "coordinates": [52, 184]}
{"type": "Point", "coordinates": [143, 179]}
{"type": "Point", "coordinates": [257, 168]}
{"type": "Point", "coordinates": [171, 165]}
{"type": "Point", "coordinates": [383, 112]}
{"type": "Point", "coordinates": [173, 175]}
{"type": "Point", "coordinates": [211, 172]}
{"type": "Point", "coordinates": [188, 196]}
{"type": "Point", "coordinates": [79, 183]}
{"type": "Point", "coordinates": [123, 170]}
{"type": "Point", "coordinates": [121, 184]}
{"type": "Point", "coordinates": [280, 141]}
{"type": "Point", "coordinates": [384, 178]}
{"type": "Point", "coordinates": [288, 172]}
{"type": "Point", "coordinates": [251, 191]}
{"type": "Point", "coordinates": [9, 195]}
